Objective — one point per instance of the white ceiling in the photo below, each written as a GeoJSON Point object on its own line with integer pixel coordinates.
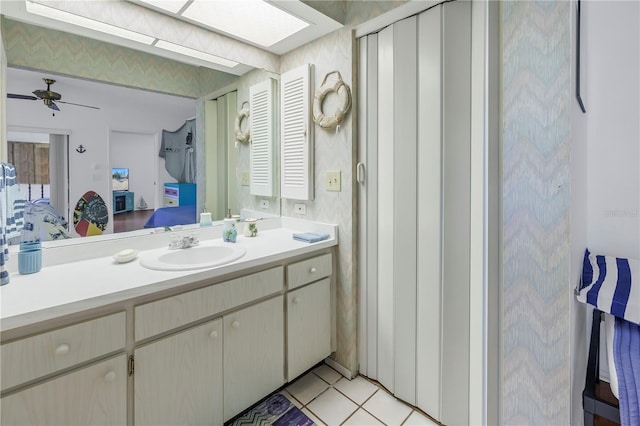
{"type": "Point", "coordinates": [164, 26]}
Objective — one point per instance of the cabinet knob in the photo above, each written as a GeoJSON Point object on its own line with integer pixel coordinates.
{"type": "Point", "coordinates": [312, 270]}
{"type": "Point", "coordinates": [214, 334]}
{"type": "Point", "coordinates": [110, 376]}
{"type": "Point", "coordinates": [235, 324]}
{"type": "Point", "coordinates": [297, 299]}
{"type": "Point", "coordinates": [62, 349]}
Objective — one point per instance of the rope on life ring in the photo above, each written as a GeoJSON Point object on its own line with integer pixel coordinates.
{"type": "Point", "coordinates": [243, 114]}
{"type": "Point", "coordinates": [330, 122]}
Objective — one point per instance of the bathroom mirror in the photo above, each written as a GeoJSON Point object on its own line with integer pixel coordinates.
{"type": "Point", "coordinates": [90, 167]}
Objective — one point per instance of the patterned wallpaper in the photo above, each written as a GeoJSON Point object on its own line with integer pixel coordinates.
{"type": "Point", "coordinates": [334, 151]}
{"type": "Point", "coordinates": [29, 46]}
{"type": "Point", "coordinates": [536, 196]}
{"type": "Point", "coordinates": [3, 98]}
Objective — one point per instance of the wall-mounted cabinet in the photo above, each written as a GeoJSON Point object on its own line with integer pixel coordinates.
{"type": "Point", "coordinates": [296, 134]}
{"type": "Point", "coordinates": [263, 129]}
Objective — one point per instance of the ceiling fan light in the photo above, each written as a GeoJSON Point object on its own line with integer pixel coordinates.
{"type": "Point", "coordinates": [51, 104]}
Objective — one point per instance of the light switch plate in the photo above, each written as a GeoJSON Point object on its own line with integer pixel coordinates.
{"type": "Point", "coordinates": [333, 180]}
{"type": "Point", "coordinates": [244, 178]}
{"type": "Point", "coordinates": [300, 208]}
{"type": "Point", "coordinates": [264, 204]}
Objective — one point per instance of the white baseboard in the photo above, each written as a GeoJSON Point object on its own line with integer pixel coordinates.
{"type": "Point", "coordinates": [339, 368]}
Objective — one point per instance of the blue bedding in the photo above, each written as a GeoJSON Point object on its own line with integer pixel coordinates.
{"type": "Point", "coordinates": [170, 216]}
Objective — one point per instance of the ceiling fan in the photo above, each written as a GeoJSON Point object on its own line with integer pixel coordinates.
{"type": "Point", "coordinates": [48, 97]}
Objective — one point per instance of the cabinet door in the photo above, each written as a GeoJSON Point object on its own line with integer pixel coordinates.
{"type": "Point", "coordinates": [129, 201]}
{"type": "Point", "coordinates": [253, 354]}
{"type": "Point", "coordinates": [178, 380]}
{"type": "Point", "coordinates": [308, 327]}
{"type": "Point", "coordinates": [90, 396]}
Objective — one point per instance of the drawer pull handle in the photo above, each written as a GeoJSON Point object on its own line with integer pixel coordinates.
{"type": "Point", "coordinates": [297, 299]}
{"type": "Point", "coordinates": [213, 334]}
{"type": "Point", "coordinates": [63, 349]}
{"type": "Point", "coordinates": [313, 270]}
{"type": "Point", "coordinates": [110, 376]}
{"type": "Point", "coordinates": [235, 324]}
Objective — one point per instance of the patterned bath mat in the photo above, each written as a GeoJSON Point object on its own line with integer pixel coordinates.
{"type": "Point", "coordinates": [276, 410]}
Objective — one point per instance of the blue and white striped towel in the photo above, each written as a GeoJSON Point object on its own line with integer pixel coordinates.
{"type": "Point", "coordinates": [12, 207]}
{"type": "Point", "coordinates": [607, 284]}
{"type": "Point", "coordinates": [15, 202]}
{"type": "Point", "coordinates": [4, 247]}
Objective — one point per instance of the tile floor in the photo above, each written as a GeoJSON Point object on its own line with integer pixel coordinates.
{"type": "Point", "coordinates": [329, 399]}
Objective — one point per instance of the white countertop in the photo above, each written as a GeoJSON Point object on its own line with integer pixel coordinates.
{"type": "Point", "coordinates": [77, 286]}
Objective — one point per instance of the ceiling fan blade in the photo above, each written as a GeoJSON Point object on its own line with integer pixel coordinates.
{"type": "Point", "coordinates": [53, 106]}
{"type": "Point", "coordinates": [71, 103]}
{"type": "Point", "coordinates": [27, 97]}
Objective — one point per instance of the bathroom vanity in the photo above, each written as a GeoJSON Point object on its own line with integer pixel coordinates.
{"type": "Point", "coordinates": [184, 347]}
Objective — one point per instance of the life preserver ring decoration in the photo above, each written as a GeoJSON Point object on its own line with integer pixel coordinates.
{"type": "Point", "coordinates": [340, 88]}
{"type": "Point", "coordinates": [243, 114]}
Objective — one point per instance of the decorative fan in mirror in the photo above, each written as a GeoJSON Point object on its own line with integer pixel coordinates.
{"type": "Point", "coordinates": [47, 96]}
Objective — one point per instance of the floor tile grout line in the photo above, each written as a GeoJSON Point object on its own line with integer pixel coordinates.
{"type": "Point", "coordinates": [378, 387]}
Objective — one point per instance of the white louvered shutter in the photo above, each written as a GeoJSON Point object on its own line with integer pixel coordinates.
{"type": "Point", "coordinates": [262, 128]}
{"type": "Point", "coordinates": [296, 135]}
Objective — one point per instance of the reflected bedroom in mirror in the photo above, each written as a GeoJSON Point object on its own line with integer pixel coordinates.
{"type": "Point", "coordinates": [133, 161]}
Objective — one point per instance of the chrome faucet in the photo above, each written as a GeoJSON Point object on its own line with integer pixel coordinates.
{"type": "Point", "coordinates": [183, 241]}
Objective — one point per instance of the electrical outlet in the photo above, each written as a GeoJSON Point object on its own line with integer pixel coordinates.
{"type": "Point", "coordinates": [300, 208]}
{"type": "Point", "coordinates": [264, 204]}
{"type": "Point", "coordinates": [333, 180]}
{"type": "Point", "coordinates": [244, 178]}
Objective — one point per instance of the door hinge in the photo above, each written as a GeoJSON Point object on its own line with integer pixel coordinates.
{"type": "Point", "coordinates": [130, 365]}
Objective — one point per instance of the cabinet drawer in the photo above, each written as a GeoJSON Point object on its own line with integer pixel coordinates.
{"type": "Point", "coordinates": [310, 270]}
{"type": "Point", "coordinates": [166, 314]}
{"type": "Point", "coordinates": [37, 356]}
{"type": "Point", "coordinates": [170, 201]}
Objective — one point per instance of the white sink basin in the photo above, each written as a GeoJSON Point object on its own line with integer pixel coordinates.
{"type": "Point", "coordinates": [198, 257]}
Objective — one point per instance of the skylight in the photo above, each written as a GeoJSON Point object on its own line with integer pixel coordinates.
{"type": "Point", "coordinates": [255, 21]}
{"type": "Point", "coordinates": [81, 21]}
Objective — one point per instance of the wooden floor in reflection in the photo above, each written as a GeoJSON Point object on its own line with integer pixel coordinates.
{"type": "Point", "coordinates": [130, 221]}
